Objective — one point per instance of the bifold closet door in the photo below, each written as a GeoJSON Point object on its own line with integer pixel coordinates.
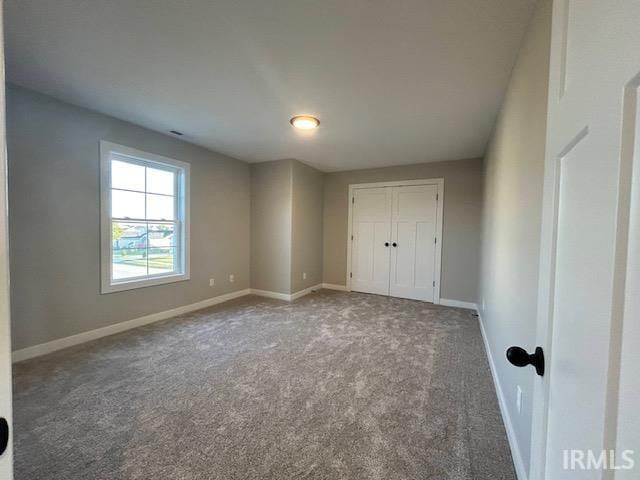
{"type": "Point", "coordinates": [371, 231]}
{"type": "Point", "coordinates": [413, 235]}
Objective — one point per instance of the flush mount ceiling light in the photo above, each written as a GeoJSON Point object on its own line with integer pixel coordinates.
{"type": "Point", "coordinates": [304, 122]}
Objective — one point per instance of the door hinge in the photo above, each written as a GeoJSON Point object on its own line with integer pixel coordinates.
{"type": "Point", "coordinates": [434, 283]}
{"type": "Point", "coordinates": [435, 240]}
{"type": "Point", "coordinates": [437, 196]}
{"type": "Point", "coordinates": [353, 199]}
{"type": "Point", "coordinates": [351, 237]}
{"type": "Point", "coordinates": [351, 275]}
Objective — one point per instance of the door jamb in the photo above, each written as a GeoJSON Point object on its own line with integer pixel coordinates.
{"type": "Point", "coordinates": [548, 245]}
{"type": "Point", "coordinates": [439, 223]}
{"type": "Point", "coordinates": [6, 460]}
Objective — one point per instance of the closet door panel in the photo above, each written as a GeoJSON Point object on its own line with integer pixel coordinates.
{"type": "Point", "coordinates": [413, 226]}
{"type": "Point", "coordinates": [425, 257]}
{"type": "Point", "coordinates": [371, 231]}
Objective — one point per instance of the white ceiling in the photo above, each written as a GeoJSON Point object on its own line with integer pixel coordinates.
{"type": "Point", "coordinates": [392, 81]}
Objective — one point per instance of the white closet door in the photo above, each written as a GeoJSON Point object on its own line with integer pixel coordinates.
{"type": "Point", "coordinates": [587, 403]}
{"type": "Point", "coordinates": [413, 233]}
{"type": "Point", "coordinates": [371, 238]}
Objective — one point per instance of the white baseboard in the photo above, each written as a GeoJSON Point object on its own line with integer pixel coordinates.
{"type": "Point", "coordinates": [458, 304]}
{"type": "Point", "coordinates": [332, 286]}
{"type": "Point", "coordinates": [306, 291]}
{"type": "Point", "coordinates": [60, 343]}
{"type": "Point", "coordinates": [269, 294]}
{"type": "Point", "coordinates": [287, 297]}
{"type": "Point", "coordinates": [521, 473]}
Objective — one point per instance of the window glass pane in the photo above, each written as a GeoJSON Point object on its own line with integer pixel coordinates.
{"type": "Point", "coordinates": [127, 204]}
{"type": "Point", "coordinates": [160, 181]}
{"type": "Point", "coordinates": [162, 235]}
{"type": "Point", "coordinates": [127, 176]}
{"type": "Point", "coordinates": [162, 260]}
{"type": "Point", "coordinates": [129, 263]}
{"type": "Point", "coordinates": [128, 235]}
{"type": "Point", "coordinates": [144, 239]}
{"type": "Point", "coordinates": [160, 207]}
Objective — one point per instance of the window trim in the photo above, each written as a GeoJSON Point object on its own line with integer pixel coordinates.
{"type": "Point", "coordinates": [107, 285]}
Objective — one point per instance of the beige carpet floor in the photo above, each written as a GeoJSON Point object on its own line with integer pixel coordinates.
{"type": "Point", "coordinates": [332, 386]}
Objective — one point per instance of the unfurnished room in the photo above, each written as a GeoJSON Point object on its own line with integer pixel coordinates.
{"type": "Point", "coordinates": [332, 240]}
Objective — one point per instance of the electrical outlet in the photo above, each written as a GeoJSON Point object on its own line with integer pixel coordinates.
{"type": "Point", "coordinates": [231, 278]}
{"type": "Point", "coordinates": [518, 398]}
{"type": "Point", "coordinates": [304, 275]}
{"type": "Point", "coordinates": [212, 282]}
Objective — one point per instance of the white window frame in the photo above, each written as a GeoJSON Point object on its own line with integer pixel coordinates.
{"type": "Point", "coordinates": [108, 285]}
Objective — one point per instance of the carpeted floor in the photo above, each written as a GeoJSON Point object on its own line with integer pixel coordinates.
{"type": "Point", "coordinates": [332, 386]}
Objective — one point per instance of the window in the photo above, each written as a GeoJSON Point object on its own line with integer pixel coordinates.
{"type": "Point", "coordinates": [145, 218]}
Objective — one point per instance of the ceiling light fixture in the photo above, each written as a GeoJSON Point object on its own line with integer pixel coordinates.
{"type": "Point", "coordinates": [304, 122]}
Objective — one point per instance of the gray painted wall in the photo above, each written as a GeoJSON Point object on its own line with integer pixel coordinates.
{"type": "Point", "coordinates": [461, 229]}
{"type": "Point", "coordinates": [266, 223]}
{"type": "Point", "coordinates": [286, 226]}
{"type": "Point", "coordinates": [271, 209]}
{"type": "Point", "coordinates": [306, 234]}
{"type": "Point", "coordinates": [512, 217]}
{"type": "Point", "coordinates": [54, 217]}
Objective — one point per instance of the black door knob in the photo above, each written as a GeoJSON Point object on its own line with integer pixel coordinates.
{"type": "Point", "coordinates": [386, 244]}
{"type": "Point", "coordinates": [4, 435]}
{"type": "Point", "coordinates": [520, 358]}
{"type": "Point", "coordinates": [394, 244]}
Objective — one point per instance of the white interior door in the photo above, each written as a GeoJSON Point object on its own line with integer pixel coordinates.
{"type": "Point", "coordinates": [5, 337]}
{"type": "Point", "coordinates": [413, 235]}
{"type": "Point", "coordinates": [588, 311]}
{"type": "Point", "coordinates": [371, 233]}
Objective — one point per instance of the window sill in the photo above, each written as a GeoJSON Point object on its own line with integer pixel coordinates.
{"type": "Point", "coordinates": [146, 282]}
